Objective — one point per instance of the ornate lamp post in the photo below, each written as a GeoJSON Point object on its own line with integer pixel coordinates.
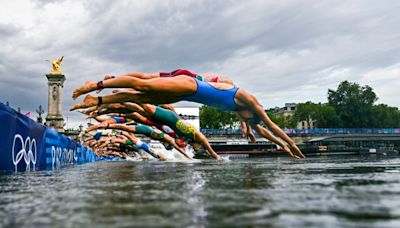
{"type": "Point", "coordinates": [56, 80]}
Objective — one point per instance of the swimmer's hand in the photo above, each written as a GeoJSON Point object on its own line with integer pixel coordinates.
{"type": "Point", "coordinates": [221, 159]}
{"type": "Point", "coordinates": [97, 126]}
{"type": "Point", "coordinates": [251, 137]}
{"type": "Point", "coordinates": [160, 155]}
{"type": "Point", "coordinates": [296, 151]}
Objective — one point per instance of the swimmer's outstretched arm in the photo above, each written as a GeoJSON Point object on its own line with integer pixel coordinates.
{"type": "Point", "coordinates": [133, 107]}
{"type": "Point", "coordinates": [91, 143]}
{"type": "Point", "coordinates": [88, 138]}
{"type": "Point", "coordinates": [170, 140]}
{"type": "Point", "coordinates": [121, 127]}
{"type": "Point", "coordinates": [96, 126]}
{"type": "Point", "coordinates": [112, 126]}
{"type": "Point", "coordinates": [137, 117]}
{"type": "Point", "coordinates": [207, 145]}
{"type": "Point", "coordinates": [266, 134]}
{"type": "Point", "coordinates": [106, 108]}
{"type": "Point", "coordinates": [99, 119]}
{"type": "Point", "coordinates": [221, 79]}
{"type": "Point", "coordinates": [169, 107]}
{"type": "Point", "coordinates": [103, 142]}
{"type": "Point", "coordinates": [122, 141]}
{"type": "Point", "coordinates": [114, 154]}
{"type": "Point", "coordinates": [144, 146]}
{"type": "Point", "coordinates": [277, 130]}
{"type": "Point", "coordinates": [121, 136]}
{"type": "Point", "coordinates": [116, 114]}
{"type": "Point", "coordinates": [103, 111]}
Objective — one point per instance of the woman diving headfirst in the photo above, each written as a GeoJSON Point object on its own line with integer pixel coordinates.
{"type": "Point", "coordinates": [173, 89]}
{"type": "Point", "coordinates": [144, 130]}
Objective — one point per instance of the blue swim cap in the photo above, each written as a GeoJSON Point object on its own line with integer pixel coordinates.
{"type": "Point", "coordinates": [97, 135]}
{"type": "Point", "coordinates": [169, 147]}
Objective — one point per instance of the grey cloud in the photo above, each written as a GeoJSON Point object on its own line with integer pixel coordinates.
{"type": "Point", "coordinates": [7, 31]}
{"type": "Point", "coordinates": [274, 49]}
{"type": "Point", "coordinates": [158, 41]}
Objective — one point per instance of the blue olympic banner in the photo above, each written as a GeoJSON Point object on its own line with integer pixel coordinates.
{"type": "Point", "coordinates": [61, 150]}
{"type": "Point", "coordinates": [27, 145]}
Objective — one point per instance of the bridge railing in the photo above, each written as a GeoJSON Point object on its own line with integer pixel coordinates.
{"type": "Point", "coordinates": [314, 131]}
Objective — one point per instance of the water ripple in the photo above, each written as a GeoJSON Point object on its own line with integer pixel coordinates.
{"type": "Point", "coordinates": [277, 192]}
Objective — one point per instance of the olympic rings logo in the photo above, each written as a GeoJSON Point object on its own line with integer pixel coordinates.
{"type": "Point", "coordinates": [28, 151]}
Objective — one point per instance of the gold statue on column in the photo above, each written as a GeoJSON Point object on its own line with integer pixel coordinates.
{"type": "Point", "coordinates": [56, 66]}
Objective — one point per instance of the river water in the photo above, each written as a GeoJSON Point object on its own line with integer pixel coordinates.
{"type": "Point", "coordinates": [256, 192]}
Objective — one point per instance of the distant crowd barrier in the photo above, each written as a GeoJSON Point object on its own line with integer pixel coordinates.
{"type": "Point", "coordinates": [315, 131]}
{"type": "Point", "coordinates": [27, 145]}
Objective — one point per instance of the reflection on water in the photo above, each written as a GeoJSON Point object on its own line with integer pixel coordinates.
{"type": "Point", "coordinates": [279, 192]}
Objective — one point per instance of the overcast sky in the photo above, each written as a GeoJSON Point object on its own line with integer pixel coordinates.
{"type": "Point", "coordinates": [281, 51]}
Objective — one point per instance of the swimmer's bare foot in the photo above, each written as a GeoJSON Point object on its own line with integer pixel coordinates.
{"type": "Point", "coordinates": [251, 137]}
{"type": "Point", "coordinates": [85, 88]}
{"type": "Point", "coordinates": [88, 101]}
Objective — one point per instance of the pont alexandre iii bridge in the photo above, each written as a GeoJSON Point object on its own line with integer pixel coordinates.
{"type": "Point", "coordinates": [302, 135]}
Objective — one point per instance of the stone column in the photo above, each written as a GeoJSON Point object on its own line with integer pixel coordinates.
{"type": "Point", "coordinates": [54, 117]}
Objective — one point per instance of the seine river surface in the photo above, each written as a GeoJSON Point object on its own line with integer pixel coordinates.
{"type": "Point", "coordinates": [253, 192]}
